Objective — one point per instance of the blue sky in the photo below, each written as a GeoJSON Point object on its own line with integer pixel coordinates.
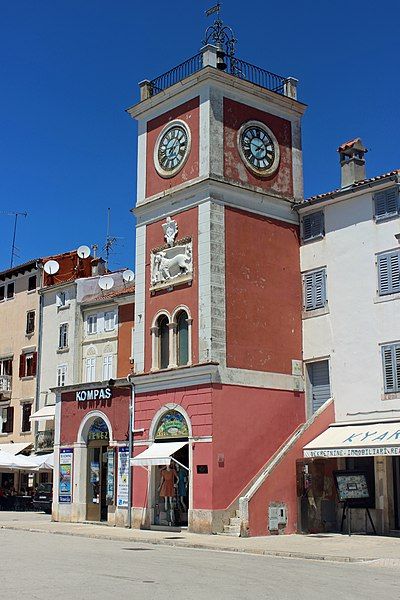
{"type": "Point", "coordinates": [69, 69]}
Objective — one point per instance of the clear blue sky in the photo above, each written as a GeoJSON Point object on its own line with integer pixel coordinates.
{"type": "Point", "coordinates": [69, 68]}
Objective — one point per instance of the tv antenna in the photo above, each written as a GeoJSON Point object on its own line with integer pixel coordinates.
{"type": "Point", "coordinates": [110, 240]}
{"type": "Point", "coordinates": [13, 246]}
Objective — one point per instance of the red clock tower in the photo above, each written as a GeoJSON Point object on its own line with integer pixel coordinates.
{"type": "Point", "coordinates": [218, 386]}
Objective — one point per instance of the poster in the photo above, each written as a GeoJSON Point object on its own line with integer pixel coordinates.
{"type": "Point", "coordinates": [123, 477]}
{"type": "Point", "coordinates": [351, 485]}
{"type": "Point", "coordinates": [65, 482]}
{"type": "Point", "coordinates": [110, 476]}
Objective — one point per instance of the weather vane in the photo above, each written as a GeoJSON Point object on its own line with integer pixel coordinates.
{"type": "Point", "coordinates": [219, 34]}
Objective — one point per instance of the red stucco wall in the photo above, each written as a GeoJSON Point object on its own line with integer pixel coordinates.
{"type": "Point", "coordinates": [280, 486]}
{"type": "Point", "coordinates": [188, 112]}
{"type": "Point", "coordinates": [235, 114]}
{"type": "Point", "coordinates": [125, 325]}
{"type": "Point", "coordinates": [116, 409]}
{"type": "Point", "coordinates": [263, 292]}
{"type": "Point", "coordinates": [249, 424]}
{"type": "Point", "coordinates": [186, 295]}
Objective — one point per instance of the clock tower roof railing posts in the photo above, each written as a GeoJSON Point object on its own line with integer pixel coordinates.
{"type": "Point", "coordinates": [209, 57]}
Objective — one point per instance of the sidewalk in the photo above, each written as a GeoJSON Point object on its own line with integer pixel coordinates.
{"type": "Point", "coordinates": [331, 547]}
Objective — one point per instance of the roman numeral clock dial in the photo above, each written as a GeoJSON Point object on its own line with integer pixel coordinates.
{"type": "Point", "coordinates": [172, 149]}
{"type": "Point", "coordinates": [258, 148]}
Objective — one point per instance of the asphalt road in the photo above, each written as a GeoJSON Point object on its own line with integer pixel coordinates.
{"type": "Point", "coordinates": [46, 566]}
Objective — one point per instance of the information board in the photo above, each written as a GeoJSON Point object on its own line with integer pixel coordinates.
{"type": "Point", "coordinates": [65, 481]}
{"type": "Point", "coordinates": [351, 486]}
{"type": "Point", "coordinates": [123, 477]}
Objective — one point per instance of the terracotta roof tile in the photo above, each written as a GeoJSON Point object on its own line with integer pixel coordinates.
{"type": "Point", "coordinates": [348, 144]}
{"type": "Point", "coordinates": [108, 294]}
{"type": "Point", "coordinates": [326, 195]}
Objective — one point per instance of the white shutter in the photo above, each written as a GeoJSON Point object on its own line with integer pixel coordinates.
{"type": "Point", "coordinates": [107, 367]}
{"type": "Point", "coordinates": [320, 384]}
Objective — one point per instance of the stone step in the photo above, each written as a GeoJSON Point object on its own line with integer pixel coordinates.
{"type": "Point", "coordinates": [235, 529]}
{"type": "Point", "coordinates": [229, 534]}
{"type": "Point", "coordinates": [234, 521]}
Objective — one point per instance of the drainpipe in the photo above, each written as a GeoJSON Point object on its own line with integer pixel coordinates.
{"type": "Point", "coordinates": [39, 357]}
{"type": "Point", "coordinates": [130, 443]}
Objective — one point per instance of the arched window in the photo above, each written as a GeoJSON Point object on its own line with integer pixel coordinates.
{"type": "Point", "coordinates": [182, 332]}
{"type": "Point", "coordinates": [163, 342]}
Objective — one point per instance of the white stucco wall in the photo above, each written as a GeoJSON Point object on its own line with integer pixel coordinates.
{"type": "Point", "coordinates": [358, 322]}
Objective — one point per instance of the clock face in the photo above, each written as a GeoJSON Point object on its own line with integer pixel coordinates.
{"type": "Point", "coordinates": [258, 148]}
{"type": "Point", "coordinates": [172, 149]}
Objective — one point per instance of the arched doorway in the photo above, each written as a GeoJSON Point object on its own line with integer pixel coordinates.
{"type": "Point", "coordinates": [171, 482]}
{"type": "Point", "coordinates": [98, 466]}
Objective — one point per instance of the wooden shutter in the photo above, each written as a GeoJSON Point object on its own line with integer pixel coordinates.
{"type": "Point", "coordinates": [386, 203]}
{"type": "Point", "coordinates": [34, 364]}
{"type": "Point", "coordinates": [313, 225]}
{"type": "Point", "coordinates": [22, 365]}
{"type": "Point", "coordinates": [389, 273]}
{"type": "Point", "coordinates": [320, 384]}
{"type": "Point", "coordinates": [314, 290]}
{"type": "Point", "coordinates": [10, 420]}
{"type": "Point", "coordinates": [389, 373]}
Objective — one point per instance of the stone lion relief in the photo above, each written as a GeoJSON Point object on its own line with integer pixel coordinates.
{"type": "Point", "coordinates": [171, 265]}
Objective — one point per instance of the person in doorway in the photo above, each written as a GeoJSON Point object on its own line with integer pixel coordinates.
{"type": "Point", "coordinates": [167, 489]}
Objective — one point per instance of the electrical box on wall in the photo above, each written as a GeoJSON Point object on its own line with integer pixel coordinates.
{"type": "Point", "coordinates": [277, 518]}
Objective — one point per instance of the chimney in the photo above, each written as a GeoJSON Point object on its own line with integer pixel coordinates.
{"type": "Point", "coordinates": [98, 267]}
{"type": "Point", "coordinates": [352, 162]}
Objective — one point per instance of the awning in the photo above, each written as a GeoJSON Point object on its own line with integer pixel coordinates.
{"type": "Point", "coordinates": [46, 413]}
{"type": "Point", "coordinates": [43, 462]}
{"type": "Point", "coordinates": [157, 454]}
{"type": "Point", "coordinates": [15, 449]}
{"type": "Point", "coordinates": [360, 439]}
{"type": "Point", "coordinates": [16, 462]}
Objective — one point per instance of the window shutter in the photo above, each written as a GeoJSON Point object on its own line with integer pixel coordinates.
{"type": "Point", "coordinates": [386, 203]}
{"type": "Point", "coordinates": [389, 273]}
{"type": "Point", "coordinates": [309, 291]}
{"type": "Point", "coordinates": [383, 274]}
{"type": "Point", "coordinates": [397, 365]}
{"type": "Point", "coordinates": [388, 368]}
{"type": "Point", "coordinates": [320, 384]}
{"type": "Point", "coordinates": [22, 365]}
{"type": "Point", "coordinates": [395, 271]}
{"type": "Point", "coordinates": [10, 419]}
{"type": "Point", "coordinates": [313, 225]}
{"type": "Point", "coordinates": [319, 285]}
{"type": "Point", "coordinates": [34, 363]}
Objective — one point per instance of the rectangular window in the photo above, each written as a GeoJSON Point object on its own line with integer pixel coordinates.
{"type": "Point", "coordinates": [32, 283]}
{"type": "Point", "coordinates": [27, 364]}
{"type": "Point", "coordinates": [63, 336]}
{"type": "Point", "coordinates": [2, 292]}
{"type": "Point", "coordinates": [391, 367]}
{"type": "Point", "coordinates": [90, 369]}
{"type": "Point", "coordinates": [109, 321]}
{"type": "Point", "coordinates": [319, 384]}
{"type": "Point", "coordinates": [61, 299]}
{"type": "Point", "coordinates": [92, 324]}
{"type": "Point", "coordinates": [30, 322]}
{"type": "Point", "coordinates": [107, 367]}
{"type": "Point", "coordinates": [314, 289]}
{"type": "Point", "coordinates": [389, 273]}
{"type": "Point", "coordinates": [10, 290]}
{"type": "Point", "coordinates": [26, 413]}
{"type": "Point", "coordinates": [386, 204]}
{"type": "Point", "coordinates": [7, 420]}
{"type": "Point", "coordinates": [6, 366]}
{"type": "Point", "coordinates": [61, 375]}
{"type": "Point", "coordinates": [313, 226]}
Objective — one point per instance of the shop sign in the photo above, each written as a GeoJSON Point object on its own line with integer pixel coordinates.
{"type": "Point", "coordinates": [110, 476]}
{"type": "Point", "coordinates": [65, 469]}
{"type": "Point", "coordinates": [123, 477]}
{"type": "Point", "coordinates": [98, 430]}
{"type": "Point", "coordinates": [93, 394]}
{"type": "Point", "coordinates": [172, 424]}
{"type": "Point", "coordinates": [350, 452]}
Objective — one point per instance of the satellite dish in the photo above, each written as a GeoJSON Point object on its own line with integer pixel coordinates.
{"type": "Point", "coordinates": [83, 251]}
{"type": "Point", "coordinates": [106, 282]}
{"type": "Point", "coordinates": [51, 267]}
{"type": "Point", "coordinates": [128, 275]}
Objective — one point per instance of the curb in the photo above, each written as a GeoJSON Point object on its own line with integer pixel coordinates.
{"type": "Point", "coordinates": [198, 546]}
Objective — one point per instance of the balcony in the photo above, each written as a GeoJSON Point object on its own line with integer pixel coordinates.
{"type": "Point", "coordinates": [285, 86]}
{"type": "Point", "coordinates": [44, 440]}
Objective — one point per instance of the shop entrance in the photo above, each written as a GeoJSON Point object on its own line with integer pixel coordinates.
{"type": "Point", "coordinates": [170, 498]}
{"type": "Point", "coordinates": [96, 490]}
{"type": "Point", "coordinates": [396, 487]}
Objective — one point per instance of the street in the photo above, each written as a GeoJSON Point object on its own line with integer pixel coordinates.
{"type": "Point", "coordinates": [46, 566]}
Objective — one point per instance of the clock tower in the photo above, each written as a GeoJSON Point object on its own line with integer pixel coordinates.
{"type": "Point", "coordinates": [217, 347]}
